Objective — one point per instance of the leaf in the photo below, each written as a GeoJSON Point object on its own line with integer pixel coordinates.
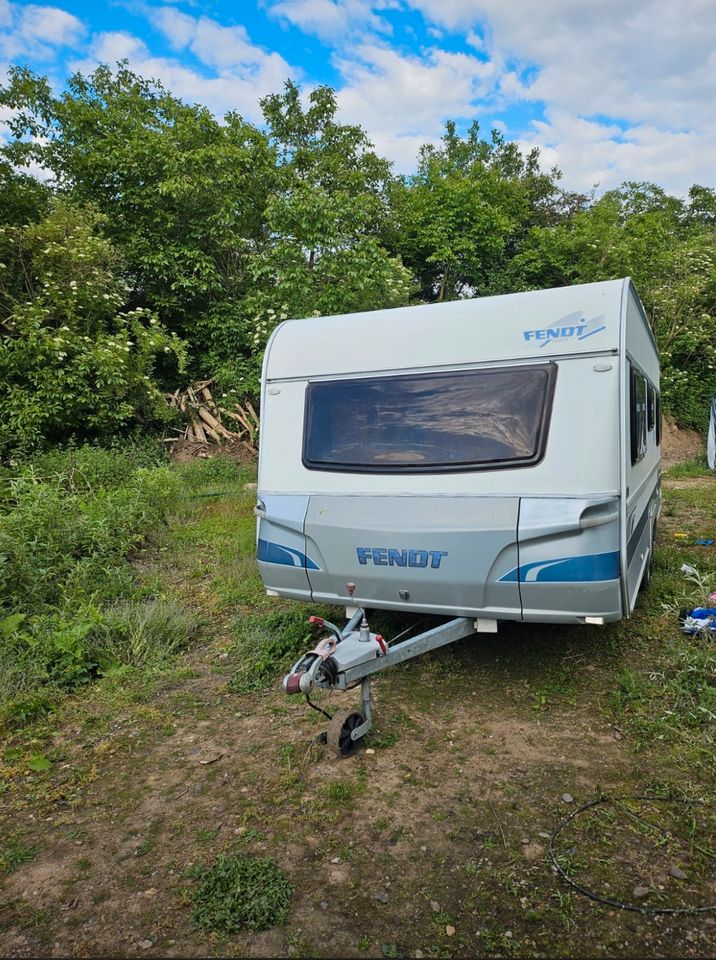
{"type": "Point", "coordinates": [9, 625]}
{"type": "Point", "coordinates": [111, 668]}
{"type": "Point", "coordinates": [39, 762]}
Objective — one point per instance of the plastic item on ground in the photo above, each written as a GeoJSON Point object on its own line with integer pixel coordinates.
{"type": "Point", "coordinates": [703, 542]}
{"type": "Point", "coordinates": [698, 620]}
{"type": "Point", "coordinates": [680, 536]}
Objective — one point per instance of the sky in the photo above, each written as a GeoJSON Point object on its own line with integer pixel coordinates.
{"type": "Point", "coordinates": [609, 90]}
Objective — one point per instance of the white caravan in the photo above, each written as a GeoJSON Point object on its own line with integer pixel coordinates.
{"type": "Point", "coordinates": [495, 458]}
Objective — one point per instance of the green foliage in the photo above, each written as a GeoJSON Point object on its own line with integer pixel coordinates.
{"type": "Point", "coordinates": [14, 853]}
{"type": "Point", "coordinates": [322, 253]}
{"type": "Point", "coordinates": [266, 645]}
{"type": "Point", "coordinates": [183, 193]}
{"type": "Point", "coordinates": [71, 361]}
{"type": "Point", "coordinates": [241, 893]}
{"type": "Point", "coordinates": [68, 612]}
{"type": "Point", "coordinates": [465, 210]}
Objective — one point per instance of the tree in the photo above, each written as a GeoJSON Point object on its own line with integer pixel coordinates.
{"type": "Point", "coordinates": [463, 214]}
{"type": "Point", "coordinates": [72, 361]}
{"type": "Point", "coordinates": [183, 194]}
{"type": "Point", "coordinates": [322, 252]}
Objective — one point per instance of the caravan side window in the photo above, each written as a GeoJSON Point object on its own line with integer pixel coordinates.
{"type": "Point", "coordinates": [651, 409]}
{"type": "Point", "coordinates": [658, 419]}
{"type": "Point", "coordinates": [429, 422]}
{"type": "Point", "coordinates": [637, 414]}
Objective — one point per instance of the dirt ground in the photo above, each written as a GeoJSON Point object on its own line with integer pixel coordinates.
{"type": "Point", "coordinates": [679, 444]}
{"type": "Point", "coordinates": [432, 842]}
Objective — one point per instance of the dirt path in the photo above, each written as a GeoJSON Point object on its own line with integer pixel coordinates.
{"type": "Point", "coordinates": [434, 843]}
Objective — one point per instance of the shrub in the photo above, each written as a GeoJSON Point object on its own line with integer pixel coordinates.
{"type": "Point", "coordinates": [73, 362]}
{"type": "Point", "coordinates": [68, 609]}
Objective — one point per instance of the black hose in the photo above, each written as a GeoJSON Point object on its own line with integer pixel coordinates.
{"type": "Point", "coordinates": [316, 707]}
{"type": "Point", "coordinates": [607, 900]}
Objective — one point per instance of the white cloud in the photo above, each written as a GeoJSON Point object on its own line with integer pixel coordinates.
{"type": "Point", "coordinates": [333, 19]}
{"type": "Point", "coordinates": [651, 60]}
{"type": "Point", "coordinates": [33, 32]}
{"type": "Point", "coordinates": [599, 154]}
{"type": "Point", "coordinates": [403, 101]}
{"type": "Point", "coordinates": [51, 25]}
{"type": "Point", "coordinates": [224, 48]}
{"type": "Point", "coordinates": [651, 63]}
{"type": "Point", "coordinates": [240, 73]}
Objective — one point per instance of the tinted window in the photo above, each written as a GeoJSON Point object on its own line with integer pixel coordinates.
{"type": "Point", "coordinates": [658, 419]}
{"type": "Point", "coordinates": [429, 422]}
{"type": "Point", "coordinates": [651, 409]}
{"type": "Point", "coordinates": [637, 415]}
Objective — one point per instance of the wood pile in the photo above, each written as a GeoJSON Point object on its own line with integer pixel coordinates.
{"type": "Point", "coordinates": [208, 421]}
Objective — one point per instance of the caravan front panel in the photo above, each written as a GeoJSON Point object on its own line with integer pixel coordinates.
{"type": "Point", "coordinates": [438, 554]}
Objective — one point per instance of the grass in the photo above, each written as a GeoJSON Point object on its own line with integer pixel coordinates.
{"type": "Point", "coordinates": [14, 853]}
{"type": "Point", "coordinates": [265, 645]}
{"type": "Point", "coordinates": [74, 607]}
{"type": "Point", "coordinates": [516, 720]}
{"type": "Point", "coordinates": [689, 468]}
{"type": "Point", "coordinates": [241, 892]}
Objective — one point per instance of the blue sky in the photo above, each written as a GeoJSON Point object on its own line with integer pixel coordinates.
{"type": "Point", "coordinates": [607, 90]}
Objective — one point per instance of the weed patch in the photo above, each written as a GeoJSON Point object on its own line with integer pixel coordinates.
{"type": "Point", "coordinates": [265, 646]}
{"type": "Point", "coordinates": [13, 854]}
{"type": "Point", "coordinates": [70, 608]}
{"type": "Point", "coordinates": [241, 892]}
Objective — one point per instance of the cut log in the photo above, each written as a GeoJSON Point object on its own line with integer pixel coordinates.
{"type": "Point", "coordinates": [208, 418]}
{"type": "Point", "coordinates": [199, 433]}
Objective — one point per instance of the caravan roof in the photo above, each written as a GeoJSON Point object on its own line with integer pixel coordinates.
{"type": "Point", "coordinates": [545, 323]}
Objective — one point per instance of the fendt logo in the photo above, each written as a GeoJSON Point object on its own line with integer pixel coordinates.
{"type": "Point", "coordinates": [572, 327]}
{"type": "Point", "coordinates": [391, 557]}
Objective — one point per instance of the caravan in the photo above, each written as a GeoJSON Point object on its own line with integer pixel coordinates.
{"type": "Point", "coordinates": [495, 458]}
{"type": "Point", "coordinates": [482, 460]}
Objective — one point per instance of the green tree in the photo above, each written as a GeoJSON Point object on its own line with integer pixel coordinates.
{"type": "Point", "coordinates": [72, 362]}
{"type": "Point", "coordinates": [464, 213]}
{"type": "Point", "coordinates": [322, 253]}
{"type": "Point", "coordinates": [183, 194]}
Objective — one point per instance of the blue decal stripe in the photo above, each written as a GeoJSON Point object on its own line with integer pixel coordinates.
{"type": "Point", "coordinates": [270, 552]}
{"type": "Point", "coordinates": [591, 333]}
{"type": "Point", "coordinates": [585, 569]}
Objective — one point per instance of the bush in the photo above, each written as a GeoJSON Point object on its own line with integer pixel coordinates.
{"type": "Point", "coordinates": [68, 609]}
{"type": "Point", "coordinates": [73, 362]}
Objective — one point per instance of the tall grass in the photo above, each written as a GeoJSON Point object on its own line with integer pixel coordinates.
{"type": "Point", "coordinates": [70, 608]}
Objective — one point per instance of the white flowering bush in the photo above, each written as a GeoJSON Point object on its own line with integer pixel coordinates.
{"type": "Point", "coordinates": [73, 362]}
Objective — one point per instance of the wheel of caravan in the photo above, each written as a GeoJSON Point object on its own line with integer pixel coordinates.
{"type": "Point", "coordinates": [340, 729]}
